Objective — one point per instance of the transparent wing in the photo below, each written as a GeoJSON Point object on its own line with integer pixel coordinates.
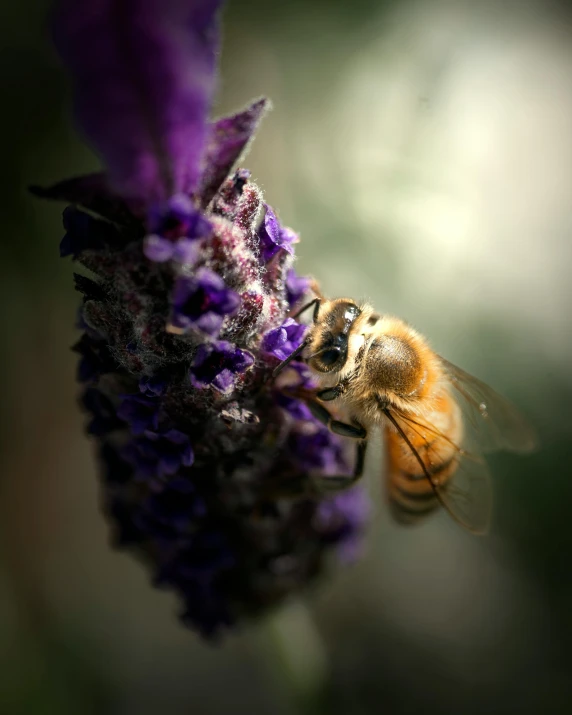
{"type": "Point", "coordinates": [491, 421]}
{"type": "Point", "coordinates": [464, 488]}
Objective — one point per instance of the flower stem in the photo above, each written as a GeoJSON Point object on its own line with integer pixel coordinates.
{"type": "Point", "coordinates": [298, 655]}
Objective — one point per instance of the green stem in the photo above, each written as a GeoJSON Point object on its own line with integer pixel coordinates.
{"type": "Point", "coordinates": [299, 656]}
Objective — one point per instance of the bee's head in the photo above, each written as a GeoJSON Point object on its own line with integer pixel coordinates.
{"type": "Point", "coordinates": [328, 345]}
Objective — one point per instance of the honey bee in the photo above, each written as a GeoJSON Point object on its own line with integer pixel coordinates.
{"type": "Point", "coordinates": [437, 420]}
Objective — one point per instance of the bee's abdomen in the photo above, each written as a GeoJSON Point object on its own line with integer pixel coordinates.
{"type": "Point", "coordinates": [411, 487]}
{"type": "Point", "coordinates": [412, 496]}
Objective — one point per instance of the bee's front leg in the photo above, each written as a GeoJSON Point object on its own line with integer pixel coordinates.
{"type": "Point", "coordinates": [355, 431]}
{"type": "Point", "coordinates": [335, 483]}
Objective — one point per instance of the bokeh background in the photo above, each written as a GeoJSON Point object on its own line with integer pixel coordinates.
{"type": "Point", "coordinates": [423, 150]}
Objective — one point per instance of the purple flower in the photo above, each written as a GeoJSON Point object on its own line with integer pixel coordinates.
{"type": "Point", "coordinates": [202, 302]}
{"type": "Point", "coordinates": [159, 249]}
{"type": "Point", "coordinates": [281, 342]}
{"type": "Point", "coordinates": [175, 226]}
{"type": "Point", "coordinates": [208, 486]}
{"type": "Point", "coordinates": [177, 218]}
{"type": "Point", "coordinates": [296, 287]}
{"type": "Point", "coordinates": [218, 364]}
{"type": "Point", "coordinates": [274, 237]}
{"type": "Point", "coordinates": [140, 413]}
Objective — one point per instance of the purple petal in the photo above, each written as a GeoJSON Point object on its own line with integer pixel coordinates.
{"type": "Point", "coordinates": [186, 250]}
{"type": "Point", "coordinates": [187, 457]}
{"type": "Point", "coordinates": [241, 360]}
{"type": "Point", "coordinates": [158, 249]}
{"type": "Point", "coordinates": [143, 75]}
{"type": "Point", "coordinates": [274, 339]}
{"type": "Point", "coordinates": [209, 323]}
{"type": "Point", "coordinates": [274, 237]}
{"type": "Point", "coordinates": [224, 381]}
{"type": "Point", "coordinates": [169, 463]}
{"type": "Point", "coordinates": [176, 436]}
{"type": "Point", "coordinates": [296, 286]}
{"type": "Point", "coordinates": [92, 191]}
{"type": "Point", "coordinates": [227, 141]}
{"type": "Point", "coordinates": [271, 225]}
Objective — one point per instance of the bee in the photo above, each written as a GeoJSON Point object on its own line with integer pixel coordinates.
{"type": "Point", "coordinates": [437, 420]}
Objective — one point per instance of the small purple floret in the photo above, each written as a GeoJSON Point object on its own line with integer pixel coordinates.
{"type": "Point", "coordinates": [176, 228]}
{"type": "Point", "coordinates": [281, 342]}
{"type": "Point", "coordinates": [202, 302]}
{"type": "Point", "coordinates": [218, 364]}
{"type": "Point", "coordinates": [296, 287]}
{"type": "Point", "coordinates": [178, 218]}
{"type": "Point", "coordinates": [274, 237]}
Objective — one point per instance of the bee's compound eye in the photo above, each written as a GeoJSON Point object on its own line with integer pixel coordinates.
{"type": "Point", "coordinates": [329, 357]}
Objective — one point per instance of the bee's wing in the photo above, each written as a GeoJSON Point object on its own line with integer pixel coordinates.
{"type": "Point", "coordinates": [491, 421]}
{"type": "Point", "coordinates": [467, 493]}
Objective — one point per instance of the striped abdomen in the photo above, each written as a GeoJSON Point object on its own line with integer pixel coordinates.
{"type": "Point", "coordinates": [411, 494]}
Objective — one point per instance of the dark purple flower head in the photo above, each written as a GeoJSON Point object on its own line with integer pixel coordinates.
{"type": "Point", "coordinates": [273, 236]}
{"type": "Point", "coordinates": [202, 301]}
{"type": "Point", "coordinates": [281, 342]}
{"type": "Point", "coordinates": [205, 458]}
{"type": "Point", "coordinates": [218, 364]}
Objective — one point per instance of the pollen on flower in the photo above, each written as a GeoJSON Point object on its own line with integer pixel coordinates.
{"type": "Point", "coordinates": [204, 458]}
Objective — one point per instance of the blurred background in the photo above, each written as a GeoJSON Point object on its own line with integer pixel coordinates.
{"type": "Point", "coordinates": [423, 150]}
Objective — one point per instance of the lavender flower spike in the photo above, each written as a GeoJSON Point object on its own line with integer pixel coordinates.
{"type": "Point", "coordinates": [205, 459]}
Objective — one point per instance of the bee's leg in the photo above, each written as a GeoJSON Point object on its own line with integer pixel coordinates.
{"type": "Point", "coordinates": [335, 483]}
{"type": "Point", "coordinates": [332, 393]}
{"type": "Point", "coordinates": [355, 431]}
{"type": "Point", "coordinates": [278, 369]}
